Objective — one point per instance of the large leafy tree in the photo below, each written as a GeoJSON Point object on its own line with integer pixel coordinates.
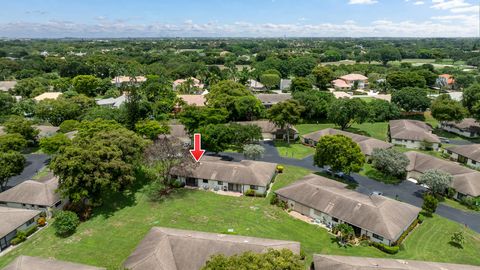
{"type": "Point", "coordinates": [217, 138]}
{"type": "Point", "coordinates": [387, 54]}
{"type": "Point", "coordinates": [22, 126]}
{"type": "Point", "coordinates": [11, 164]}
{"type": "Point", "coordinates": [444, 108]}
{"type": "Point", "coordinates": [51, 145]}
{"type": "Point", "coordinates": [315, 103]}
{"type": "Point", "coordinates": [438, 181]}
{"type": "Point", "coordinates": [382, 110]}
{"type": "Point", "coordinates": [286, 114]}
{"type": "Point", "coordinates": [57, 111]}
{"type": "Point", "coordinates": [344, 112]}
{"type": "Point", "coordinates": [411, 99]}
{"type": "Point", "coordinates": [7, 103]}
{"type": "Point", "coordinates": [87, 84]}
{"type": "Point", "coordinates": [271, 260]}
{"type": "Point", "coordinates": [340, 153]}
{"type": "Point", "coordinates": [12, 142]}
{"type": "Point", "coordinates": [301, 84]}
{"type": "Point", "coordinates": [401, 79]}
{"type": "Point", "coordinates": [323, 76]}
{"type": "Point", "coordinates": [270, 80]}
{"type": "Point", "coordinates": [471, 98]}
{"type": "Point", "coordinates": [194, 117]}
{"type": "Point", "coordinates": [151, 129]}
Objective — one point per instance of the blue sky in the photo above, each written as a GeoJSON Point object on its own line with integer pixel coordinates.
{"type": "Point", "coordinates": [244, 18]}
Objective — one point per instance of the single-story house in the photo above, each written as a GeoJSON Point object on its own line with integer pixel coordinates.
{"type": "Point", "coordinates": [112, 102]}
{"type": "Point", "coordinates": [285, 84]}
{"type": "Point", "coordinates": [37, 195]}
{"type": "Point", "coordinates": [268, 100]}
{"type": "Point", "coordinates": [367, 144]}
{"type": "Point", "coordinates": [270, 131]}
{"type": "Point", "coordinates": [445, 81]}
{"type": "Point", "coordinates": [353, 78]}
{"type": "Point", "coordinates": [466, 181]}
{"type": "Point", "coordinates": [47, 95]}
{"type": "Point", "coordinates": [13, 220]}
{"type": "Point", "coordinates": [455, 95]}
{"type": "Point", "coordinates": [255, 85]}
{"type": "Point", "coordinates": [119, 80]}
{"type": "Point", "coordinates": [36, 263]}
{"type": "Point", "coordinates": [468, 127]}
{"type": "Point", "coordinates": [341, 85]}
{"type": "Point", "coordinates": [329, 202]}
{"type": "Point", "coordinates": [195, 83]}
{"type": "Point", "coordinates": [173, 249]}
{"type": "Point", "coordinates": [7, 85]}
{"type": "Point", "coordinates": [412, 134]}
{"type": "Point", "coordinates": [466, 154]}
{"type": "Point", "coordinates": [215, 174]}
{"type": "Point", "coordinates": [335, 262]}
{"type": "Point", "coordinates": [195, 100]}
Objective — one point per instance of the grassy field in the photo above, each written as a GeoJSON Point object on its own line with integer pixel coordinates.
{"type": "Point", "coordinates": [369, 171]}
{"type": "Point", "coordinates": [294, 150]}
{"type": "Point", "coordinates": [115, 230]}
{"type": "Point", "coordinates": [375, 130]}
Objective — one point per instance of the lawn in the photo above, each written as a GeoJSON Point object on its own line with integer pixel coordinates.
{"type": "Point", "coordinates": [375, 130]}
{"type": "Point", "coordinates": [115, 230]}
{"type": "Point", "coordinates": [431, 152]}
{"type": "Point", "coordinates": [457, 205]}
{"type": "Point", "coordinates": [370, 172]}
{"type": "Point", "coordinates": [294, 150]}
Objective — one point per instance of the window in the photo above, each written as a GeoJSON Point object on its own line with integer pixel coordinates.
{"type": "Point", "coordinates": [335, 219]}
{"type": "Point", "coordinates": [220, 183]}
{"type": "Point", "coordinates": [474, 162]}
{"type": "Point", "coordinates": [378, 237]}
{"type": "Point", "coordinates": [30, 222]}
{"type": "Point", "coordinates": [58, 203]}
{"type": "Point", "coordinates": [253, 187]}
{"type": "Point", "coordinates": [205, 181]}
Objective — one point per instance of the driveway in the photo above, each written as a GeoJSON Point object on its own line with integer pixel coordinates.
{"type": "Point", "coordinates": [406, 191]}
{"type": "Point", "coordinates": [35, 162]}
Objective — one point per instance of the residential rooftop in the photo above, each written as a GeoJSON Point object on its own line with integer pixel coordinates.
{"type": "Point", "coordinates": [35, 263]}
{"type": "Point", "coordinates": [412, 130]}
{"type": "Point", "coordinates": [12, 218]}
{"type": "Point", "coordinates": [33, 192]}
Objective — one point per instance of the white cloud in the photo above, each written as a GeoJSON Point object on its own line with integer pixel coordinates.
{"type": "Point", "coordinates": [417, 3]}
{"type": "Point", "coordinates": [362, 2]}
{"type": "Point", "coordinates": [470, 9]}
{"type": "Point", "coordinates": [449, 4]}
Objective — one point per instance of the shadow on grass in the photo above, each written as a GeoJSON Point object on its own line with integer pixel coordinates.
{"type": "Point", "coordinates": [358, 131]}
{"type": "Point", "coordinates": [381, 177]}
{"type": "Point", "coordinates": [455, 245]}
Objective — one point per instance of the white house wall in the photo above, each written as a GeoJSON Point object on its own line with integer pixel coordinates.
{"type": "Point", "coordinates": [412, 144]}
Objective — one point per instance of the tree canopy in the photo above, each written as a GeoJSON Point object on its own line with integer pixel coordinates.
{"type": "Point", "coordinates": [340, 153]}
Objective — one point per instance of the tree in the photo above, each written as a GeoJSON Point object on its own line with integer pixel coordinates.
{"type": "Point", "coordinates": [390, 162]}
{"type": "Point", "coordinates": [22, 126]}
{"type": "Point", "coordinates": [458, 239]}
{"type": "Point", "coordinates": [300, 84]}
{"type": "Point", "coordinates": [429, 204]}
{"type": "Point", "coordinates": [411, 99]}
{"type": "Point", "coordinates": [271, 260]}
{"type": "Point", "coordinates": [51, 145]}
{"type": "Point", "coordinates": [270, 80]}
{"type": "Point", "coordinates": [253, 151]}
{"type": "Point", "coordinates": [323, 76]}
{"type": "Point", "coordinates": [344, 233]}
{"type": "Point", "coordinates": [24, 107]}
{"type": "Point", "coordinates": [285, 114]}
{"type": "Point", "coordinates": [57, 111]}
{"type": "Point", "coordinates": [7, 103]}
{"type": "Point", "coordinates": [68, 126]}
{"type": "Point", "coordinates": [65, 223]}
{"type": "Point", "coordinates": [444, 108]}
{"type": "Point", "coordinates": [216, 138]}
{"type": "Point", "coordinates": [248, 108]}
{"type": "Point", "coordinates": [316, 103]}
{"type": "Point", "coordinates": [151, 129]}
{"type": "Point", "coordinates": [437, 181]}
{"type": "Point", "coordinates": [344, 112]}
{"type": "Point", "coordinates": [387, 54]}
{"type": "Point", "coordinates": [401, 79]}
{"type": "Point", "coordinates": [193, 117]}
{"type": "Point", "coordinates": [471, 97]}
{"type": "Point", "coordinates": [340, 153]}
{"type": "Point", "coordinates": [382, 110]}
{"type": "Point", "coordinates": [11, 164]}
{"type": "Point", "coordinates": [105, 113]}
{"type": "Point", "coordinates": [12, 142]}
{"type": "Point", "coordinates": [87, 84]}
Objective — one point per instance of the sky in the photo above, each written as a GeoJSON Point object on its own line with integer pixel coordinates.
{"type": "Point", "coordinates": [239, 18]}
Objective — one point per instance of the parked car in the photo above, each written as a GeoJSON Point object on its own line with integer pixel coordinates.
{"type": "Point", "coordinates": [379, 193]}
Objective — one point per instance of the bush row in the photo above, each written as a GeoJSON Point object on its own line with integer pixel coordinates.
{"type": "Point", "coordinates": [385, 248]}
{"type": "Point", "coordinates": [21, 236]}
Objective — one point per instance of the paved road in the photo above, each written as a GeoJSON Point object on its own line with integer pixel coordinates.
{"type": "Point", "coordinates": [35, 162]}
{"type": "Point", "coordinates": [406, 191]}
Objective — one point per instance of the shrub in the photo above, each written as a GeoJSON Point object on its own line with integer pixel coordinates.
{"type": "Point", "coordinates": [385, 248]}
{"type": "Point", "coordinates": [429, 204]}
{"type": "Point", "coordinates": [31, 230]}
{"type": "Point", "coordinates": [471, 203]}
{"type": "Point", "coordinates": [274, 199]}
{"type": "Point", "coordinates": [41, 222]}
{"type": "Point", "coordinates": [280, 168]}
{"type": "Point", "coordinates": [420, 218]}
{"type": "Point", "coordinates": [68, 125]}
{"type": "Point", "coordinates": [250, 193]}
{"type": "Point", "coordinates": [407, 231]}
{"type": "Point", "coordinates": [390, 162]}
{"type": "Point", "coordinates": [65, 223]}
{"type": "Point", "coordinates": [20, 237]}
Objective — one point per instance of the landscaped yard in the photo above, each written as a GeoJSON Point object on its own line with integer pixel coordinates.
{"type": "Point", "coordinates": [112, 234]}
{"type": "Point", "coordinates": [370, 172]}
{"type": "Point", "coordinates": [375, 130]}
{"type": "Point", "coordinates": [457, 205]}
{"type": "Point", "coordinates": [294, 150]}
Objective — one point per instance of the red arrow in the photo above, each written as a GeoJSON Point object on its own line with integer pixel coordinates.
{"type": "Point", "coordinates": [197, 152]}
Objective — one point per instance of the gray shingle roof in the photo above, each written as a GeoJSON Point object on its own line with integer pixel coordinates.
{"type": "Point", "coordinates": [412, 130]}
{"type": "Point", "coordinates": [467, 124]}
{"type": "Point", "coordinates": [271, 99]}
{"type": "Point", "coordinates": [35, 263]}
{"type": "Point", "coordinates": [465, 180]}
{"type": "Point", "coordinates": [12, 218]}
{"type": "Point", "coordinates": [377, 214]}
{"type": "Point", "coordinates": [172, 249]}
{"type": "Point", "coordinates": [245, 172]}
{"type": "Point", "coordinates": [332, 262]}
{"type": "Point", "coordinates": [471, 151]}
{"type": "Point", "coordinates": [367, 144]}
{"type": "Point", "coordinates": [33, 192]}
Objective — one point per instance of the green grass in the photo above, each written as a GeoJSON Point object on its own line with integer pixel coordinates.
{"type": "Point", "coordinates": [114, 231]}
{"type": "Point", "coordinates": [370, 172]}
{"type": "Point", "coordinates": [432, 153]}
{"type": "Point", "coordinates": [294, 150]}
{"type": "Point", "coordinates": [375, 130]}
{"type": "Point", "coordinates": [42, 173]}
{"type": "Point", "coordinates": [457, 205]}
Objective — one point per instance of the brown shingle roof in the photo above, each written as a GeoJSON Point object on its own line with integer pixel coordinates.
{"type": "Point", "coordinates": [377, 214]}
{"type": "Point", "coordinates": [271, 99]}
{"type": "Point", "coordinates": [467, 124]}
{"type": "Point", "coordinates": [245, 172]}
{"type": "Point", "coordinates": [197, 100]}
{"type": "Point", "coordinates": [412, 130]}
{"type": "Point", "coordinates": [471, 151]}
{"type": "Point", "coordinates": [172, 249]}
{"type": "Point", "coordinates": [332, 262]}
{"type": "Point", "coordinates": [367, 144]}
{"type": "Point", "coordinates": [33, 192]}
{"type": "Point", "coordinates": [12, 218]}
{"type": "Point", "coordinates": [465, 180]}
{"type": "Point", "coordinates": [35, 263]}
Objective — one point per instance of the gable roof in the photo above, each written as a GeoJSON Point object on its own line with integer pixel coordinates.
{"type": "Point", "coordinates": [245, 172]}
{"type": "Point", "coordinates": [333, 262]}
{"type": "Point", "coordinates": [412, 130]}
{"type": "Point", "coordinates": [367, 144]}
{"type": "Point", "coordinates": [377, 214]}
{"type": "Point", "coordinates": [471, 151]}
{"type": "Point", "coordinates": [48, 95]}
{"type": "Point", "coordinates": [354, 77]}
{"type": "Point", "coordinates": [340, 83]}
{"type": "Point", "coordinates": [197, 100]}
{"type": "Point", "coordinates": [33, 192]}
{"type": "Point", "coordinates": [115, 102]}
{"type": "Point", "coordinates": [271, 99]}
{"type": "Point", "coordinates": [173, 249]}
{"type": "Point", "coordinates": [266, 126]}
{"type": "Point", "coordinates": [12, 218]}
{"type": "Point", "coordinates": [465, 180]}
{"type": "Point", "coordinates": [35, 263]}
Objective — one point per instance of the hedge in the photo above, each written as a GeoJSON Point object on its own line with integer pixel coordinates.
{"type": "Point", "coordinates": [385, 248]}
{"type": "Point", "coordinates": [407, 231]}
